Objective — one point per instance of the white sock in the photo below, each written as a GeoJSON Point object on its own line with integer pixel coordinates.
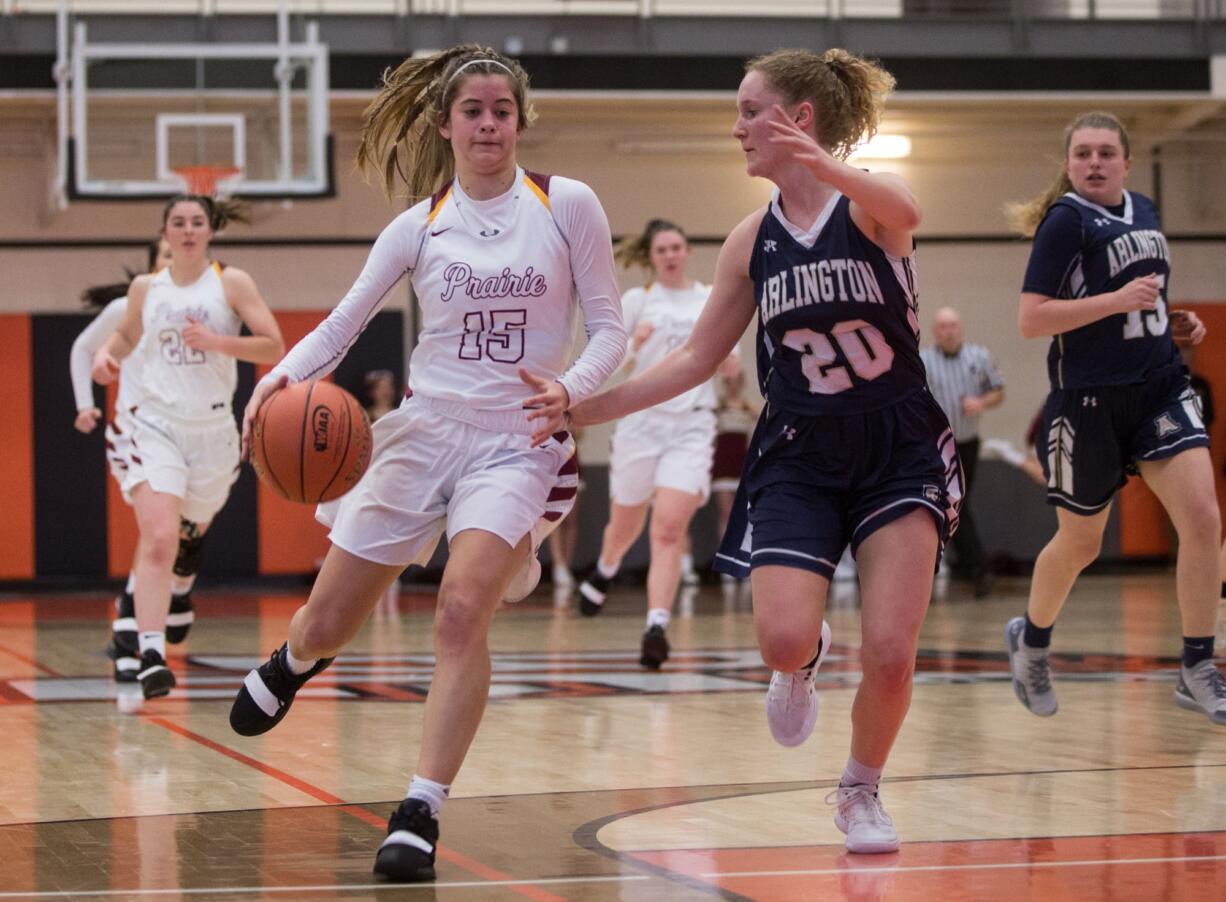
{"type": "Point", "coordinates": [608, 571]}
{"type": "Point", "coordinates": [297, 665]}
{"type": "Point", "coordinates": [857, 774]}
{"type": "Point", "coordinates": [433, 794]}
{"type": "Point", "coordinates": [659, 617]}
{"type": "Point", "coordinates": [687, 563]}
{"type": "Point", "coordinates": [181, 585]}
{"type": "Point", "coordinates": [156, 641]}
{"type": "Point", "coordinates": [131, 586]}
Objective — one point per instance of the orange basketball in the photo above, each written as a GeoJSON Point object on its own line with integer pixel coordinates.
{"type": "Point", "coordinates": [310, 442]}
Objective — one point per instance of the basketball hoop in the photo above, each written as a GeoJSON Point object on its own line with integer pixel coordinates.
{"type": "Point", "coordinates": [207, 180]}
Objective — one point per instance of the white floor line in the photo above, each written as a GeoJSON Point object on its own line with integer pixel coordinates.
{"type": "Point", "coordinates": [340, 887]}
{"type": "Point", "coordinates": [852, 871]}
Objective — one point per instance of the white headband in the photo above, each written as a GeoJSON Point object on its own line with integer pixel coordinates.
{"type": "Point", "coordinates": [475, 62]}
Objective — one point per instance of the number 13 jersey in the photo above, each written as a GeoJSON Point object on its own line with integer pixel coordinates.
{"type": "Point", "coordinates": [838, 331]}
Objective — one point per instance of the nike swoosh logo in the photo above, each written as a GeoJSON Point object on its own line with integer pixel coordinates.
{"type": "Point", "coordinates": [440, 231]}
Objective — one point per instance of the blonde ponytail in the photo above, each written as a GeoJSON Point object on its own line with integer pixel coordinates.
{"type": "Point", "coordinates": [1025, 217]}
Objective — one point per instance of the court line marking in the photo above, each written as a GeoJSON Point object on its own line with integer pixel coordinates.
{"type": "Point", "coordinates": [853, 871]}
{"type": "Point", "coordinates": [28, 660]}
{"type": "Point", "coordinates": [340, 887]}
{"type": "Point", "coordinates": [522, 887]}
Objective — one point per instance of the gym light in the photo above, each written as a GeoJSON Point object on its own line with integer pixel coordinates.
{"type": "Point", "coordinates": [884, 147]}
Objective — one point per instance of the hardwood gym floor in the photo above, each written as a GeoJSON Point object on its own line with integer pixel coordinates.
{"type": "Point", "coordinates": [594, 780]}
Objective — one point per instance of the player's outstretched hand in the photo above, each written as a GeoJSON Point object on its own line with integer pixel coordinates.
{"type": "Point", "coordinates": [1186, 328]}
{"type": "Point", "coordinates": [263, 389]}
{"type": "Point", "coordinates": [199, 337]}
{"type": "Point", "coordinates": [105, 369]}
{"type": "Point", "coordinates": [87, 419]}
{"type": "Point", "coordinates": [787, 134]}
{"type": "Point", "coordinates": [1139, 294]}
{"type": "Point", "coordinates": [547, 407]}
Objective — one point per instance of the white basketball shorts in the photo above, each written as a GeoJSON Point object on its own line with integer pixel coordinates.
{"type": "Point", "coordinates": [661, 452]}
{"type": "Point", "coordinates": [197, 462]}
{"type": "Point", "coordinates": [431, 470]}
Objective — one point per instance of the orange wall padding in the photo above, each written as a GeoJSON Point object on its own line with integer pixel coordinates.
{"type": "Point", "coordinates": [1145, 530]}
{"type": "Point", "coordinates": [291, 541]}
{"type": "Point", "coordinates": [17, 458]}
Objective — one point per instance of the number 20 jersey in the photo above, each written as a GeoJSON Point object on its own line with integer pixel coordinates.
{"type": "Point", "coordinates": [838, 331]}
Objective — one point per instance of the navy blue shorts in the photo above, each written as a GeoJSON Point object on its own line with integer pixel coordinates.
{"type": "Point", "coordinates": [1091, 438]}
{"type": "Point", "coordinates": [813, 485]}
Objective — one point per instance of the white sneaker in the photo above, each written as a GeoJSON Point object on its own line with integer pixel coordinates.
{"type": "Point", "coordinates": [791, 701]}
{"type": "Point", "coordinates": [860, 815]}
{"type": "Point", "coordinates": [999, 449]}
{"type": "Point", "coordinates": [1202, 688]}
{"type": "Point", "coordinates": [1031, 671]}
{"type": "Point", "coordinates": [524, 582]}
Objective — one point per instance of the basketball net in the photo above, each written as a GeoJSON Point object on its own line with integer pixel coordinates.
{"type": "Point", "coordinates": [209, 181]}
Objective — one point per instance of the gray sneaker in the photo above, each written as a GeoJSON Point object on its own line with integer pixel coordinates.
{"type": "Point", "coordinates": [1202, 688]}
{"type": "Point", "coordinates": [1031, 669]}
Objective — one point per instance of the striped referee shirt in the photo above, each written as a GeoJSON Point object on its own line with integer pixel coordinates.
{"type": "Point", "coordinates": [952, 377]}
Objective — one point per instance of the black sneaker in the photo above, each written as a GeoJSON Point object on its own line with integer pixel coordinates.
{"type": "Point", "coordinates": [123, 647]}
{"type": "Point", "coordinates": [407, 855]}
{"type": "Point", "coordinates": [155, 677]}
{"type": "Point", "coordinates": [180, 619]}
{"type": "Point", "coordinates": [592, 592]}
{"type": "Point", "coordinates": [267, 693]}
{"type": "Point", "coordinates": [655, 648]}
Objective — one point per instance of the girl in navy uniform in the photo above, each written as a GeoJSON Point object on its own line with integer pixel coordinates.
{"type": "Point", "coordinates": [1120, 403]}
{"type": "Point", "coordinates": [850, 448]}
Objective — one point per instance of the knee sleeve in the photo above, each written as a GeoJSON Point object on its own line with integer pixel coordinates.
{"type": "Point", "coordinates": [187, 561]}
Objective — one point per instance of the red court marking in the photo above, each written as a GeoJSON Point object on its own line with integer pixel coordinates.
{"type": "Point", "coordinates": [1079, 869]}
{"type": "Point", "coordinates": [28, 660]}
{"type": "Point", "coordinates": [457, 858]}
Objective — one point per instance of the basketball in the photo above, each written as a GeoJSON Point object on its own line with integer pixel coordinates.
{"type": "Point", "coordinates": [310, 442]}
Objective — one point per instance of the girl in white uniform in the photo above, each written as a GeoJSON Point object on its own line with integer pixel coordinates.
{"type": "Point", "coordinates": [495, 258]}
{"type": "Point", "coordinates": [181, 329]}
{"type": "Point", "coordinates": [122, 648]}
{"type": "Point", "coordinates": [661, 457]}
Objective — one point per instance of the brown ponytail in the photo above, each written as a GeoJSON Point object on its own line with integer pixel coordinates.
{"type": "Point", "coordinates": [848, 92]}
{"type": "Point", "coordinates": [635, 250]}
{"type": "Point", "coordinates": [1025, 217]}
{"type": "Point", "coordinates": [400, 127]}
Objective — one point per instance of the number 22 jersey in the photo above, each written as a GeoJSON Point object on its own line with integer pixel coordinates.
{"type": "Point", "coordinates": [838, 331]}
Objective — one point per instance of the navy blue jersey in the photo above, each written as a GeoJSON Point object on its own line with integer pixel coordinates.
{"type": "Point", "coordinates": [838, 331]}
{"type": "Point", "coordinates": [1082, 250]}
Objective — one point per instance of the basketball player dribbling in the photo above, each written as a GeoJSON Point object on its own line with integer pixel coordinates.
{"type": "Point", "coordinates": [181, 328]}
{"type": "Point", "coordinates": [1120, 404]}
{"type": "Point", "coordinates": [851, 447]}
{"type": "Point", "coordinates": [496, 257]}
{"type": "Point", "coordinates": [660, 458]}
{"type": "Point", "coordinates": [112, 303]}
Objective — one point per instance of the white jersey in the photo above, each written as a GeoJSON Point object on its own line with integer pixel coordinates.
{"type": "Point", "coordinates": [672, 314]}
{"type": "Point", "coordinates": [81, 360]}
{"type": "Point", "coordinates": [183, 382]}
{"type": "Point", "coordinates": [496, 282]}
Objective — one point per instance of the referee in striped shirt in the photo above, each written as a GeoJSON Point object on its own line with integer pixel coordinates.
{"type": "Point", "coordinates": [965, 382]}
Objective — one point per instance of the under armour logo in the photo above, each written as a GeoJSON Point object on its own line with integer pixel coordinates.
{"type": "Point", "coordinates": [1089, 401]}
{"type": "Point", "coordinates": [489, 233]}
{"type": "Point", "coordinates": [1099, 221]}
{"type": "Point", "coordinates": [789, 432]}
{"type": "Point", "coordinates": [769, 245]}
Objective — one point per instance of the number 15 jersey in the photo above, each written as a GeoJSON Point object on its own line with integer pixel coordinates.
{"type": "Point", "coordinates": [838, 331]}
